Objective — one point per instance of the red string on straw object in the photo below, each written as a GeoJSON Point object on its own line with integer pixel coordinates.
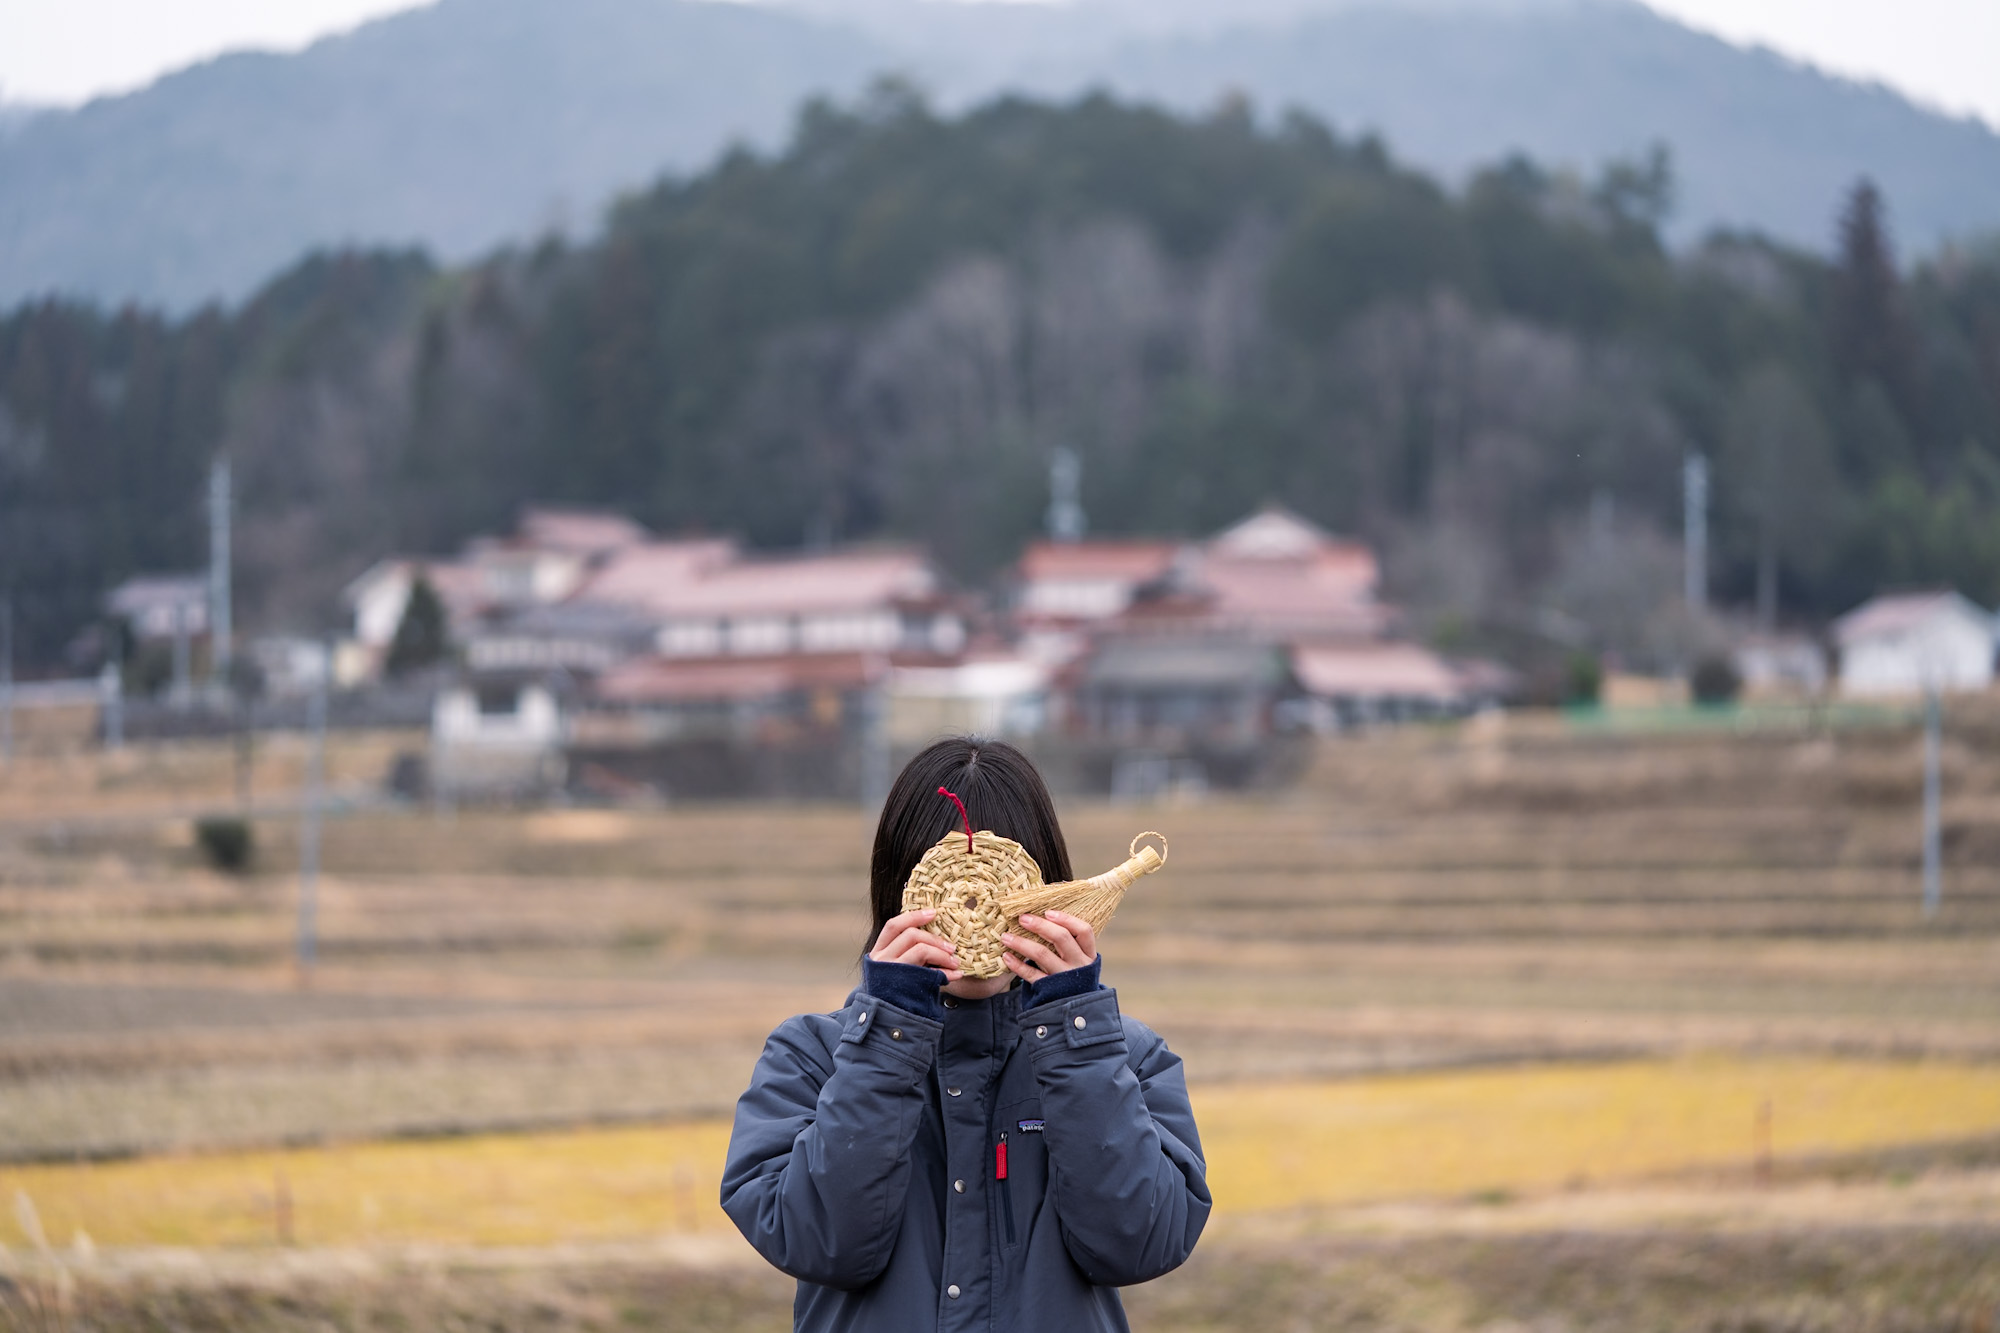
{"type": "Point", "coordinates": [962, 815]}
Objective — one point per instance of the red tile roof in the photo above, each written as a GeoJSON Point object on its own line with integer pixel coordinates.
{"type": "Point", "coordinates": [694, 585]}
{"type": "Point", "coordinates": [1133, 560]}
{"type": "Point", "coordinates": [1374, 670]}
{"type": "Point", "coordinates": [713, 679]}
{"type": "Point", "coordinates": [639, 576]}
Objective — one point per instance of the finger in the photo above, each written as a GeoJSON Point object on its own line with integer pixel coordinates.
{"type": "Point", "coordinates": [1026, 971]}
{"type": "Point", "coordinates": [896, 925]}
{"type": "Point", "coordinates": [1036, 952]}
{"type": "Point", "coordinates": [1058, 937]}
{"type": "Point", "coordinates": [926, 954]}
{"type": "Point", "coordinates": [904, 942]}
{"type": "Point", "coordinates": [1085, 933]}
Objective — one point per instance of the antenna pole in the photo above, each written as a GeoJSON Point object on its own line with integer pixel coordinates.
{"type": "Point", "coordinates": [6, 677]}
{"type": "Point", "coordinates": [1694, 523]}
{"type": "Point", "coordinates": [1065, 517]}
{"type": "Point", "coordinates": [219, 626]}
{"type": "Point", "coordinates": [1933, 799]}
{"type": "Point", "coordinates": [308, 942]}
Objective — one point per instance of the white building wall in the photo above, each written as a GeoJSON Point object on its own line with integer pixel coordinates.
{"type": "Point", "coordinates": [535, 723]}
{"type": "Point", "coordinates": [1081, 599]}
{"type": "Point", "coordinates": [378, 608]}
{"type": "Point", "coordinates": [1951, 651]}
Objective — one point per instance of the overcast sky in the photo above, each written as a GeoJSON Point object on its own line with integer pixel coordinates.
{"type": "Point", "coordinates": [1945, 53]}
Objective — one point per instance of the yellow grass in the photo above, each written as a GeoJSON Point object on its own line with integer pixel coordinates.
{"type": "Point", "coordinates": [1285, 1145]}
{"type": "Point", "coordinates": [1270, 1146]}
{"type": "Point", "coordinates": [526, 1189]}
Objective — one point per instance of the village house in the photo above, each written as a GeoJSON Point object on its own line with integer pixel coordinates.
{"type": "Point", "coordinates": [692, 668]}
{"type": "Point", "coordinates": [1179, 638]}
{"type": "Point", "coordinates": [1064, 591]}
{"type": "Point", "coordinates": [162, 607]}
{"type": "Point", "coordinates": [868, 600]}
{"type": "Point", "coordinates": [501, 734]}
{"type": "Point", "coordinates": [660, 664]}
{"type": "Point", "coordinates": [550, 555]}
{"type": "Point", "coordinates": [1909, 643]}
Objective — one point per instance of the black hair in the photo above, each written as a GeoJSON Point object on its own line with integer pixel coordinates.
{"type": "Point", "coordinates": [1002, 792]}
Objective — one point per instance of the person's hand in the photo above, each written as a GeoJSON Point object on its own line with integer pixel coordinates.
{"type": "Point", "coordinates": [904, 939]}
{"type": "Point", "coordinates": [1067, 943]}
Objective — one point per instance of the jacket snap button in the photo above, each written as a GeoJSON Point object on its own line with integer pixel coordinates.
{"type": "Point", "coordinates": [863, 1018]}
{"type": "Point", "coordinates": [958, 1185]}
{"type": "Point", "coordinates": [952, 1291]}
{"type": "Point", "coordinates": [1079, 1020]}
{"type": "Point", "coordinates": [1041, 1032]}
{"type": "Point", "coordinates": [950, 1003]}
{"type": "Point", "coordinates": [953, 1092]}
{"type": "Point", "coordinates": [896, 1034]}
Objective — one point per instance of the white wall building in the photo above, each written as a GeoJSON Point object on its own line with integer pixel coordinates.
{"type": "Point", "coordinates": [498, 735]}
{"type": "Point", "coordinates": [1913, 642]}
{"type": "Point", "coordinates": [987, 696]}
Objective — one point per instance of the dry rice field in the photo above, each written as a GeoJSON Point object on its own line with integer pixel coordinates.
{"type": "Point", "coordinates": [1471, 1014]}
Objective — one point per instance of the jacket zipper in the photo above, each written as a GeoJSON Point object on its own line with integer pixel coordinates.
{"type": "Point", "coordinates": [1000, 1175]}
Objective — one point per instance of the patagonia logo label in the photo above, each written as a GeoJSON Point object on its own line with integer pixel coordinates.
{"type": "Point", "coordinates": [1031, 1126]}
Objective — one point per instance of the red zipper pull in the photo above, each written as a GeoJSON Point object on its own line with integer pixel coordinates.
{"type": "Point", "coordinates": [1000, 1157]}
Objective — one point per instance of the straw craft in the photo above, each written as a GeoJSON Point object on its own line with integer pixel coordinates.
{"type": "Point", "coordinates": [981, 883]}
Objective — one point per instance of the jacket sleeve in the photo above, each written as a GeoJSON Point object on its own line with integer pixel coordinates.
{"type": "Point", "coordinates": [1126, 1175]}
{"type": "Point", "coordinates": [818, 1173]}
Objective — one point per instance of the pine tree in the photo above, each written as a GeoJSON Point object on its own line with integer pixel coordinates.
{"type": "Point", "coordinates": [1870, 333]}
{"type": "Point", "coordinates": [422, 636]}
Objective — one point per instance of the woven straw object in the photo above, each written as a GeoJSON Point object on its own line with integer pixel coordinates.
{"type": "Point", "coordinates": [980, 891]}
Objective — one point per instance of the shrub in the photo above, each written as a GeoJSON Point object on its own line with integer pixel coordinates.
{"type": "Point", "coordinates": [1715, 680]}
{"type": "Point", "coordinates": [227, 841]}
{"type": "Point", "coordinates": [1583, 679]}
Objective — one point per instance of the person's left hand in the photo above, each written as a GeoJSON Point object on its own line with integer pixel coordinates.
{"type": "Point", "coordinates": [1067, 942]}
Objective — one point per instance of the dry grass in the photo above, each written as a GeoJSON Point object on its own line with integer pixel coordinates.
{"type": "Point", "coordinates": [1274, 1146]}
{"type": "Point", "coordinates": [1422, 900]}
{"type": "Point", "coordinates": [1270, 1147]}
{"type": "Point", "coordinates": [1862, 1280]}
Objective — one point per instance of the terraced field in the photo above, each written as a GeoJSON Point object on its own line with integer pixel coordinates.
{"type": "Point", "coordinates": [1518, 894]}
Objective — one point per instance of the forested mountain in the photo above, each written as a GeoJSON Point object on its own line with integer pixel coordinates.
{"type": "Point", "coordinates": [886, 329]}
{"type": "Point", "coordinates": [467, 123]}
{"type": "Point", "coordinates": [456, 126]}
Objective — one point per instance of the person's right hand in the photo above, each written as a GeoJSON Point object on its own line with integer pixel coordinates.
{"type": "Point", "coordinates": [905, 940]}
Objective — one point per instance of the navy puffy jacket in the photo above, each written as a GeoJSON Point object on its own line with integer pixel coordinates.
{"type": "Point", "coordinates": [865, 1161]}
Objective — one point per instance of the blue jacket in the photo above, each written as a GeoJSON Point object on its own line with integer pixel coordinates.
{"type": "Point", "coordinates": [867, 1158]}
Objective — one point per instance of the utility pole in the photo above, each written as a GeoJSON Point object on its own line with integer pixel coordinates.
{"type": "Point", "coordinates": [308, 942]}
{"type": "Point", "coordinates": [182, 686]}
{"type": "Point", "coordinates": [6, 677]}
{"type": "Point", "coordinates": [1694, 528]}
{"type": "Point", "coordinates": [874, 748]}
{"type": "Point", "coordinates": [1933, 799]}
{"type": "Point", "coordinates": [1065, 517]}
{"type": "Point", "coordinates": [111, 692]}
{"type": "Point", "coordinates": [219, 627]}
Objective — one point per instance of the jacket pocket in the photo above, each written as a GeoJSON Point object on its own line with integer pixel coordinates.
{"type": "Point", "coordinates": [1019, 1166]}
{"type": "Point", "coordinates": [1000, 1179]}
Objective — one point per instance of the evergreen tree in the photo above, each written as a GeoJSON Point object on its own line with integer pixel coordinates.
{"type": "Point", "coordinates": [880, 331]}
{"type": "Point", "coordinates": [1870, 332]}
{"type": "Point", "coordinates": [422, 636]}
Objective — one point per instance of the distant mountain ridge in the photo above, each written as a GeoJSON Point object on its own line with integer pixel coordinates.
{"type": "Point", "coordinates": [470, 123]}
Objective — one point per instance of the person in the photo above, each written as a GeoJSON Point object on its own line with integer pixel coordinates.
{"type": "Point", "coordinates": [966, 1154]}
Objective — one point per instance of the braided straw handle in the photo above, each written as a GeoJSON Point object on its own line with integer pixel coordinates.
{"type": "Point", "coordinates": [1095, 899]}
